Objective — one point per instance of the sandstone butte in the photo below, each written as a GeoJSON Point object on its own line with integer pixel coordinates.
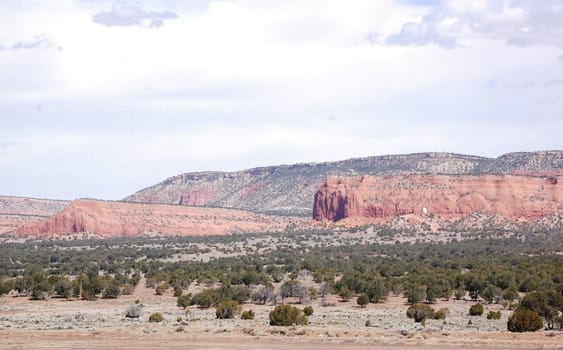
{"type": "Point", "coordinates": [512, 196]}
{"type": "Point", "coordinates": [17, 211]}
{"type": "Point", "coordinates": [107, 219]}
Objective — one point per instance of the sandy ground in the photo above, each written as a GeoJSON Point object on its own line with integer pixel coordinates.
{"type": "Point", "coordinates": [113, 341]}
{"type": "Point", "coordinates": [60, 324]}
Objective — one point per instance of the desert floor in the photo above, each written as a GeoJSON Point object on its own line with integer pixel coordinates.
{"type": "Point", "coordinates": [76, 324]}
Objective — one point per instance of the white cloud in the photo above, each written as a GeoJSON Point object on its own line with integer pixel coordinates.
{"type": "Point", "coordinates": [132, 14]}
{"type": "Point", "coordinates": [520, 23]}
{"type": "Point", "coordinates": [234, 84]}
{"type": "Point", "coordinates": [38, 42]}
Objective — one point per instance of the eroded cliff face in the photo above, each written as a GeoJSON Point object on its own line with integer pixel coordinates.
{"type": "Point", "coordinates": [108, 219]}
{"type": "Point", "coordinates": [289, 189]}
{"type": "Point", "coordinates": [17, 211]}
{"type": "Point", "coordinates": [511, 196]}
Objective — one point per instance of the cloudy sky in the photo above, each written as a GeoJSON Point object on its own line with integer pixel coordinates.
{"type": "Point", "coordinates": [101, 98]}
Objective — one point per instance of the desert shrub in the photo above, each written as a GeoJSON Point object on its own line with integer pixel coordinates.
{"type": "Point", "coordinates": [524, 321]}
{"type": "Point", "coordinates": [112, 291]}
{"type": "Point", "coordinates": [363, 300]}
{"type": "Point", "coordinates": [161, 288]}
{"type": "Point", "coordinates": [6, 287]}
{"type": "Point", "coordinates": [420, 312]}
{"type": "Point", "coordinates": [178, 292]}
{"type": "Point", "coordinates": [240, 294]}
{"type": "Point", "coordinates": [263, 295]}
{"type": "Point", "coordinates": [156, 317]}
{"type": "Point", "coordinates": [205, 298]}
{"type": "Point", "coordinates": [287, 315]}
{"type": "Point", "coordinates": [546, 304]}
{"type": "Point", "coordinates": [441, 314]}
{"type": "Point", "coordinates": [308, 310]}
{"type": "Point", "coordinates": [227, 309]}
{"type": "Point", "coordinates": [476, 310]}
{"type": "Point", "coordinates": [247, 315]}
{"type": "Point", "coordinates": [459, 293]}
{"type": "Point", "coordinates": [128, 289]}
{"type": "Point", "coordinates": [184, 300]}
{"type": "Point", "coordinates": [510, 294]}
{"type": "Point", "coordinates": [492, 315]}
{"type": "Point", "coordinates": [492, 294]}
{"type": "Point", "coordinates": [345, 294]}
{"type": "Point", "coordinates": [313, 293]}
{"type": "Point", "coordinates": [133, 311]}
{"type": "Point", "coordinates": [415, 293]}
{"type": "Point", "coordinates": [134, 280]}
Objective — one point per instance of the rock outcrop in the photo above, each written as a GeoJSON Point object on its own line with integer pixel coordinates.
{"type": "Point", "coordinates": [289, 189]}
{"type": "Point", "coordinates": [516, 197]}
{"type": "Point", "coordinates": [17, 211]}
{"type": "Point", "coordinates": [108, 219]}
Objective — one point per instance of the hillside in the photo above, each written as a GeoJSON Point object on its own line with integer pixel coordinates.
{"type": "Point", "coordinates": [16, 211]}
{"type": "Point", "coordinates": [452, 196]}
{"type": "Point", "coordinates": [110, 219]}
{"type": "Point", "coordinates": [289, 189]}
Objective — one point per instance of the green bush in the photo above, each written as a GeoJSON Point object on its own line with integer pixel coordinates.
{"type": "Point", "coordinates": [345, 294]}
{"type": "Point", "coordinates": [161, 288]}
{"type": "Point", "coordinates": [524, 321]}
{"type": "Point", "coordinates": [112, 291]}
{"type": "Point", "coordinates": [492, 315]}
{"type": "Point", "coordinates": [128, 289]}
{"type": "Point", "coordinates": [205, 298]}
{"type": "Point", "coordinates": [227, 309]}
{"type": "Point", "coordinates": [156, 317]}
{"type": "Point", "coordinates": [415, 293]}
{"type": "Point", "coordinates": [184, 300]}
{"type": "Point", "coordinates": [308, 310]}
{"type": "Point", "coordinates": [476, 310]}
{"type": "Point", "coordinates": [441, 314]}
{"type": "Point", "coordinates": [420, 312]}
{"type": "Point", "coordinates": [363, 300]}
{"type": "Point", "coordinates": [247, 315]}
{"type": "Point", "coordinates": [287, 315]}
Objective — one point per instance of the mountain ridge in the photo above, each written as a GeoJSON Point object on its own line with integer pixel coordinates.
{"type": "Point", "coordinates": [288, 189]}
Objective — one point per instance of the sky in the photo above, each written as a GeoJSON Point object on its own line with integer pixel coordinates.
{"type": "Point", "coordinates": [102, 98]}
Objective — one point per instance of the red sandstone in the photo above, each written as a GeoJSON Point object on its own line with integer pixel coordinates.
{"type": "Point", "coordinates": [511, 196]}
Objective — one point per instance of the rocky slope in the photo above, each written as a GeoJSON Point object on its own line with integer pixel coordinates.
{"type": "Point", "coordinates": [107, 219]}
{"type": "Point", "coordinates": [289, 189]}
{"type": "Point", "coordinates": [16, 211]}
{"type": "Point", "coordinates": [454, 196]}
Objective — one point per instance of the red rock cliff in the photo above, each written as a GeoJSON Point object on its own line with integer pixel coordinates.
{"type": "Point", "coordinates": [444, 195]}
{"type": "Point", "coordinates": [108, 219]}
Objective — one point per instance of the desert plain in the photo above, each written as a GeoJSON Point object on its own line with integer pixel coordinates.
{"type": "Point", "coordinates": [101, 324]}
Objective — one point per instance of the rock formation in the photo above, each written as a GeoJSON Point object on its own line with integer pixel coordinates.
{"type": "Point", "coordinates": [16, 211]}
{"type": "Point", "coordinates": [107, 219]}
{"type": "Point", "coordinates": [289, 189]}
{"type": "Point", "coordinates": [516, 197]}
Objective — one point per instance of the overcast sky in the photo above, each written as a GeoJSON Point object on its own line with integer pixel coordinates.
{"type": "Point", "coordinates": [102, 98]}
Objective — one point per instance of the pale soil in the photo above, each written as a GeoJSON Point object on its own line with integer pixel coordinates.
{"type": "Point", "coordinates": [56, 324]}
